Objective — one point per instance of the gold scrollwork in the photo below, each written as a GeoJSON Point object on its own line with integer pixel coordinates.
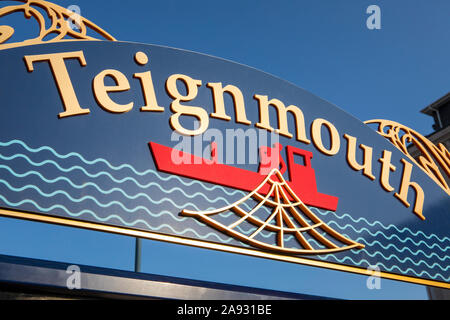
{"type": "Point", "coordinates": [434, 160]}
{"type": "Point", "coordinates": [58, 29]}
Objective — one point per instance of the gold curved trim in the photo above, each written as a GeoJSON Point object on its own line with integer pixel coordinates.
{"type": "Point", "coordinates": [432, 158]}
{"type": "Point", "coordinates": [59, 24]}
{"type": "Point", "coordinates": [210, 245]}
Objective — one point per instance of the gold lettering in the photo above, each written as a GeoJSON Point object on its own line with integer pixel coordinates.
{"type": "Point", "coordinates": [148, 90]}
{"type": "Point", "coordinates": [141, 58]}
{"type": "Point", "coordinates": [282, 110]}
{"type": "Point", "coordinates": [151, 104]}
{"type": "Point", "coordinates": [62, 78]}
{"type": "Point", "coordinates": [406, 183]}
{"type": "Point", "coordinates": [316, 133]}
{"type": "Point", "coordinates": [101, 90]}
{"type": "Point", "coordinates": [219, 104]}
{"type": "Point", "coordinates": [386, 168]}
{"type": "Point", "coordinates": [351, 157]}
{"type": "Point", "coordinates": [179, 109]}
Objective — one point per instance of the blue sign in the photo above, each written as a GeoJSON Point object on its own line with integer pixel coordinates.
{"type": "Point", "coordinates": [182, 147]}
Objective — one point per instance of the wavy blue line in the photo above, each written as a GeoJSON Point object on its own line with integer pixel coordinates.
{"type": "Point", "coordinates": [226, 214]}
{"type": "Point", "coordinates": [57, 206]}
{"type": "Point", "coordinates": [251, 230]}
{"type": "Point", "coordinates": [390, 257]}
{"type": "Point", "coordinates": [149, 171]}
{"type": "Point", "coordinates": [405, 229]}
{"type": "Point", "coordinates": [387, 237]}
{"type": "Point", "coordinates": [131, 197]}
{"type": "Point", "coordinates": [393, 256]}
{"type": "Point", "coordinates": [62, 192]}
{"type": "Point", "coordinates": [74, 154]}
{"type": "Point", "coordinates": [342, 260]}
{"type": "Point", "coordinates": [401, 250]}
{"type": "Point", "coordinates": [78, 200]}
{"type": "Point", "coordinates": [157, 215]}
{"type": "Point", "coordinates": [38, 164]}
{"type": "Point", "coordinates": [95, 175]}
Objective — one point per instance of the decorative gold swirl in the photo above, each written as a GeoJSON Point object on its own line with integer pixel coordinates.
{"type": "Point", "coordinates": [59, 27]}
{"type": "Point", "coordinates": [431, 157]}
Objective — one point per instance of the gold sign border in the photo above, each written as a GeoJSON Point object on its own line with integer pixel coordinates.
{"type": "Point", "coordinates": [208, 245]}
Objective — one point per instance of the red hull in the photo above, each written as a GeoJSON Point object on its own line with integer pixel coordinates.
{"type": "Point", "coordinates": [304, 184]}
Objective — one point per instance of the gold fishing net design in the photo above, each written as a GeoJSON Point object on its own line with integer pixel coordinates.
{"type": "Point", "coordinates": [288, 216]}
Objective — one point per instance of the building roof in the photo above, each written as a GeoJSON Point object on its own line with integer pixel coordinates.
{"type": "Point", "coordinates": [436, 105]}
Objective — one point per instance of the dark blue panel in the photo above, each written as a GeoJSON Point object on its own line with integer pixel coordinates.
{"type": "Point", "coordinates": [98, 167]}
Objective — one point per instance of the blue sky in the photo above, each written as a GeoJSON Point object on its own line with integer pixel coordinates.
{"type": "Point", "coordinates": [322, 46]}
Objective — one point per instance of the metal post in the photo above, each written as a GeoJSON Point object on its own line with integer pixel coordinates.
{"type": "Point", "coordinates": [137, 256]}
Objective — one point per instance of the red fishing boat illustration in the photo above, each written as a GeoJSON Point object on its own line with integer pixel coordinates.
{"type": "Point", "coordinates": [302, 178]}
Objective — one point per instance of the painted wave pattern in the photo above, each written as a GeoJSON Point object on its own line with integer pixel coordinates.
{"type": "Point", "coordinates": [415, 248]}
{"type": "Point", "coordinates": [151, 194]}
{"type": "Point", "coordinates": [148, 206]}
